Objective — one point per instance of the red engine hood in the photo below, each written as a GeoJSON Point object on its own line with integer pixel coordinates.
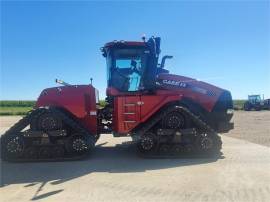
{"type": "Point", "coordinates": [77, 99]}
{"type": "Point", "coordinates": [201, 92]}
{"type": "Point", "coordinates": [172, 81]}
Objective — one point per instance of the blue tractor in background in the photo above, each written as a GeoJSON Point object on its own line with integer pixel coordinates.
{"type": "Point", "coordinates": [255, 102]}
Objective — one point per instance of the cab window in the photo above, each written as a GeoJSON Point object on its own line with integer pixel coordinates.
{"type": "Point", "coordinates": [126, 69]}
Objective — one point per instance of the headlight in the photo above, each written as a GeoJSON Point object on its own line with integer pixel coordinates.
{"type": "Point", "coordinates": [229, 111]}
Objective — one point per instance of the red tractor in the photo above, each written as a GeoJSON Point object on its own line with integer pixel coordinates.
{"type": "Point", "coordinates": [165, 114]}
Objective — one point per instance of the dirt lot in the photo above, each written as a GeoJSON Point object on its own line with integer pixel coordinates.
{"type": "Point", "coordinates": [115, 173]}
{"type": "Point", "coordinates": [253, 126]}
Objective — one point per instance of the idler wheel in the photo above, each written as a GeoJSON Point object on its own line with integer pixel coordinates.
{"type": "Point", "coordinates": [47, 121]}
{"type": "Point", "coordinates": [12, 146]}
{"type": "Point", "coordinates": [208, 144]}
{"type": "Point", "coordinates": [174, 120]}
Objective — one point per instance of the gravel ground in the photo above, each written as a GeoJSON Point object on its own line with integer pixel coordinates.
{"type": "Point", "coordinates": [253, 126]}
{"type": "Point", "coordinates": [115, 173]}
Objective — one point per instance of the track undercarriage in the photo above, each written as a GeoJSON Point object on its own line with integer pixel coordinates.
{"type": "Point", "coordinates": [177, 132]}
{"type": "Point", "coordinates": [53, 135]}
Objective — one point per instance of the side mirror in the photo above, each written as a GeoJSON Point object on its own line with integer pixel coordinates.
{"type": "Point", "coordinates": [164, 58]}
{"type": "Point", "coordinates": [157, 42]}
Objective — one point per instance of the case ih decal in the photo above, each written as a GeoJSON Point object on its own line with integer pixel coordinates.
{"type": "Point", "coordinates": [175, 83]}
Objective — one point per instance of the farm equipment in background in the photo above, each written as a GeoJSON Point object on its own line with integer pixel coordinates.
{"type": "Point", "coordinates": [255, 102]}
{"type": "Point", "coordinates": [165, 114]}
{"type": "Point", "coordinates": [266, 104]}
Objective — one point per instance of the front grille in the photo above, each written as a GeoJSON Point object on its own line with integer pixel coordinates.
{"type": "Point", "coordinates": [224, 102]}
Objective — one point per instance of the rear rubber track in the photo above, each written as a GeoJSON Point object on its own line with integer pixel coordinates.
{"type": "Point", "coordinates": [25, 121]}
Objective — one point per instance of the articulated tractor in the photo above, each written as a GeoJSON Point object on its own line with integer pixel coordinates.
{"type": "Point", "coordinates": [163, 113]}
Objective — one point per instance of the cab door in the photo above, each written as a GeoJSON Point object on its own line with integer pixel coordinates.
{"type": "Point", "coordinates": [127, 113]}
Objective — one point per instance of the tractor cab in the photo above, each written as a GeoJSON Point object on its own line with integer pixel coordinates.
{"type": "Point", "coordinates": [254, 99]}
{"type": "Point", "coordinates": [253, 102]}
{"type": "Point", "coordinates": [132, 66]}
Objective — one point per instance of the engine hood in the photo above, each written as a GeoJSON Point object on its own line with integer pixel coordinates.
{"type": "Point", "coordinates": [77, 99]}
{"type": "Point", "coordinates": [201, 92]}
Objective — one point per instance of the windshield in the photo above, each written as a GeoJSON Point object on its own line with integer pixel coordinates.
{"type": "Point", "coordinates": [255, 98]}
{"type": "Point", "coordinates": [125, 68]}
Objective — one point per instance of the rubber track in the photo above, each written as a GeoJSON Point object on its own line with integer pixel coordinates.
{"type": "Point", "coordinates": [154, 120]}
{"type": "Point", "coordinates": [22, 123]}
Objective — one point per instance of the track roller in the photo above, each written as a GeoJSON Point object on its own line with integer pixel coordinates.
{"type": "Point", "coordinates": [165, 149]}
{"type": "Point", "coordinates": [79, 144]}
{"type": "Point", "coordinates": [178, 149]}
{"type": "Point", "coordinates": [147, 143]}
{"type": "Point", "coordinates": [45, 152]}
{"type": "Point", "coordinates": [58, 151]}
{"type": "Point", "coordinates": [31, 153]}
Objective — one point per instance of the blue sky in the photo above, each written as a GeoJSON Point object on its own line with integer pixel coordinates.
{"type": "Point", "coordinates": [224, 43]}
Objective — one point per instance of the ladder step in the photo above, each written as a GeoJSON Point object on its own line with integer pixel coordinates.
{"type": "Point", "coordinates": [129, 104]}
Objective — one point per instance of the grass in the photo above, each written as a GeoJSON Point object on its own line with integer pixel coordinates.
{"type": "Point", "coordinates": [4, 111]}
{"type": "Point", "coordinates": [15, 107]}
{"type": "Point", "coordinates": [238, 104]}
{"type": "Point", "coordinates": [17, 103]}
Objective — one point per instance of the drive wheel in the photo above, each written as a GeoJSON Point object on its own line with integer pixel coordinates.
{"type": "Point", "coordinates": [12, 146]}
{"type": "Point", "coordinates": [208, 144]}
{"type": "Point", "coordinates": [174, 120]}
{"type": "Point", "coordinates": [147, 143]}
{"type": "Point", "coordinates": [80, 144]}
{"type": "Point", "coordinates": [47, 121]}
